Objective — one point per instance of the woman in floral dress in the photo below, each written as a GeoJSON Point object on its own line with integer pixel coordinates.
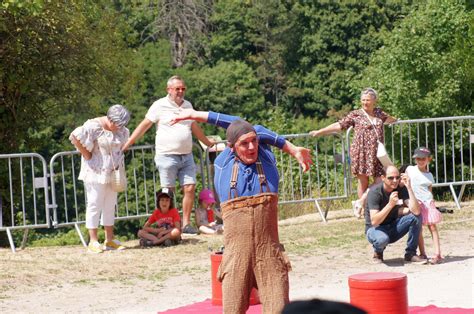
{"type": "Point", "coordinates": [363, 152]}
{"type": "Point", "coordinates": [99, 141]}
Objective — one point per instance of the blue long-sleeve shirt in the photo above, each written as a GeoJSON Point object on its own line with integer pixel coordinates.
{"type": "Point", "coordinates": [248, 183]}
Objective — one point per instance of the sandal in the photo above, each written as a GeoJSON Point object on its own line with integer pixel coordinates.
{"type": "Point", "coordinates": [437, 259]}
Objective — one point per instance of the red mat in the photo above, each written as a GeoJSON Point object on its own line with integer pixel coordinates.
{"type": "Point", "coordinates": [432, 309]}
{"type": "Point", "coordinates": [208, 308]}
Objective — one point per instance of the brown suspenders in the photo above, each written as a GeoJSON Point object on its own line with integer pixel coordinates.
{"type": "Point", "coordinates": [235, 171]}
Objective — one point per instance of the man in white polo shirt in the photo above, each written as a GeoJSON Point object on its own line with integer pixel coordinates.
{"type": "Point", "coordinates": [174, 158]}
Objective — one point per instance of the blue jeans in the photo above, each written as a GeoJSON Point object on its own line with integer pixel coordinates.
{"type": "Point", "coordinates": [382, 235]}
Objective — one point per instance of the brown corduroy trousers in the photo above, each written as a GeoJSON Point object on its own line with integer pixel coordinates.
{"type": "Point", "coordinates": [253, 255]}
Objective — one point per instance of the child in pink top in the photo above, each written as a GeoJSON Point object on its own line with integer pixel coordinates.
{"type": "Point", "coordinates": [167, 221]}
{"type": "Point", "coordinates": [205, 214]}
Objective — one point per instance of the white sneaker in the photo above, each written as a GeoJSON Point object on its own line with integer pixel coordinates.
{"type": "Point", "coordinates": [357, 208]}
{"type": "Point", "coordinates": [94, 247]}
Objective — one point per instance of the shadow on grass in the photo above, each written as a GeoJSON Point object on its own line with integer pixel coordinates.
{"type": "Point", "coordinates": [397, 262]}
{"type": "Point", "coordinates": [185, 241]}
{"type": "Point", "coordinates": [394, 262]}
{"type": "Point", "coordinates": [450, 258]}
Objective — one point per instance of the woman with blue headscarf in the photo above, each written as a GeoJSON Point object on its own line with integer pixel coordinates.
{"type": "Point", "coordinates": [99, 141]}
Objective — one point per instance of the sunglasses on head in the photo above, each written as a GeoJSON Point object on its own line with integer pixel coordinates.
{"type": "Point", "coordinates": [394, 178]}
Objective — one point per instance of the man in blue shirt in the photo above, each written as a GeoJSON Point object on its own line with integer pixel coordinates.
{"type": "Point", "coordinates": [246, 181]}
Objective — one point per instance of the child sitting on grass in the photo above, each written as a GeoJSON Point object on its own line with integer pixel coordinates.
{"type": "Point", "coordinates": [205, 214]}
{"type": "Point", "coordinates": [167, 220]}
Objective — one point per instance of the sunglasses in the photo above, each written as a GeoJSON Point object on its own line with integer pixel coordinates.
{"type": "Point", "coordinates": [178, 89]}
{"type": "Point", "coordinates": [395, 178]}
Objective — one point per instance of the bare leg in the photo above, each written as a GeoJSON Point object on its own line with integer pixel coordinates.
{"type": "Point", "coordinates": [147, 235]}
{"type": "Point", "coordinates": [93, 235]}
{"type": "Point", "coordinates": [188, 202]}
{"type": "Point", "coordinates": [435, 236]}
{"type": "Point", "coordinates": [174, 234]}
{"type": "Point", "coordinates": [421, 243]}
{"type": "Point", "coordinates": [109, 233]}
{"type": "Point", "coordinates": [358, 205]}
{"type": "Point", "coordinates": [207, 230]}
{"type": "Point", "coordinates": [363, 184]}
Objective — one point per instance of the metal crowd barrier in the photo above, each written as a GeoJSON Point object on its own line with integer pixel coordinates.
{"type": "Point", "coordinates": [325, 181]}
{"type": "Point", "coordinates": [25, 204]}
{"type": "Point", "coordinates": [450, 140]}
{"type": "Point", "coordinates": [138, 201]}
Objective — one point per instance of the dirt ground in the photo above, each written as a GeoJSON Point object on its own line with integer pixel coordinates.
{"type": "Point", "coordinates": [67, 279]}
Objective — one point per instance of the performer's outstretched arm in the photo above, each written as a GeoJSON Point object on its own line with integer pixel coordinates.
{"type": "Point", "coordinates": [266, 136]}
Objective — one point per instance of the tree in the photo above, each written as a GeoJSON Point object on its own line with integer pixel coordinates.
{"type": "Point", "coordinates": [183, 22]}
{"type": "Point", "coordinates": [337, 40]}
{"type": "Point", "coordinates": [229, 87]}
{"type": "Point", "coordinates": [425, 68]}
{"type": "Point", "coordinates": [59, 62]}
{"type": "Point", "coordinates": [259, 33]}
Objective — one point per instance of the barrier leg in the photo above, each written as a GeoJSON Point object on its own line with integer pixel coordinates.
{"type": "Point", "coordinates": [10, 239]}
{"type": "Point", "coordinates": [451, 187]}
{"type": "Point", "coordinates": [323, 216]}
{"type": "Point", "coordinates": [25, 238]}
{"type": "Point", "coordinates": [461, 192]}
{"type": "Point", "coordinates": [78, 230]}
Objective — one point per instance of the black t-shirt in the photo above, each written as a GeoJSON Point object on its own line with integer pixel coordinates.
{"type": "Point", "coordinates": [378, 198]}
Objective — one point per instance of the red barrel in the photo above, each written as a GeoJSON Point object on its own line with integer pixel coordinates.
{"type": "Point", "coordinates": [216, 286]}
{"type": "Point", "coordinates": [379, 293]}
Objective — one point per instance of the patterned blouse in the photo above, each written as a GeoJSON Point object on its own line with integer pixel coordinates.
{"type": "Point", "coordinates": [104, 145]}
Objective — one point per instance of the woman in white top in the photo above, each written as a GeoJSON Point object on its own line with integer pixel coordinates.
{"type": "Point", "coordinates": [99, 141]}
{"type": "Point", "coordinates": [421, 182]}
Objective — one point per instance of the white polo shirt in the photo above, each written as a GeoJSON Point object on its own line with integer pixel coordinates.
{"type": "Point", "coordinates": [170, 139]}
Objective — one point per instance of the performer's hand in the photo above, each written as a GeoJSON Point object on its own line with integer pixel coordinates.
{"type": "Point", "coordinates": [180, 115]}
{"type": "Point", "coordinates": [314, 133]}
{"type": "Point", "coordinates": [189, 114]}
{"type": "Point", "coordinates": [303, 155]}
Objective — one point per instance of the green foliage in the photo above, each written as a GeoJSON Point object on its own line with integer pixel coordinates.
{"type": "Point", "coordinates": [337, 39]}
{"type": "Point", "coordinates": [152, 70]}
{"type": "Point", "coordinates": [425, 68]}
{"type": "Point", "coordinates": [61, 61]}
{"type": "Point", "coordinates": [230, 87]}
{"type": "Point", "coordinates": [229, 35]}
{"type": "Point", "coordinates": [59, 238]}
{"type": "Point", "coordinates": [18, 7]}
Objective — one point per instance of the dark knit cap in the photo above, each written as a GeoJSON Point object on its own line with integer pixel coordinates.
{"type": "Point", "coordinates": [236, 129]}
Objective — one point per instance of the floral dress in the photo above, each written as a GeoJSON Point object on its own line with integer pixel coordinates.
{"type": "Point", "coordinates": [104, 145]}
{"type": "Point", "coordinates": [363, 151]}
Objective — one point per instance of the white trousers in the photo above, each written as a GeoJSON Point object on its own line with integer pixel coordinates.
{"type": "Point", "coordinates": [101, 201]}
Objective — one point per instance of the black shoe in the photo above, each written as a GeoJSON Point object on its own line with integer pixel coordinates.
{"type": "Point", "coordinates": [145, 243]}
{"type": "Point", "coordinates": [415, 259]}
{"type": "Point", "coordinates": [188, 229]}
{"type": "Point", "coordinates": [444, 210]}
{"type": "Point", "coordinates": [377, 258]}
